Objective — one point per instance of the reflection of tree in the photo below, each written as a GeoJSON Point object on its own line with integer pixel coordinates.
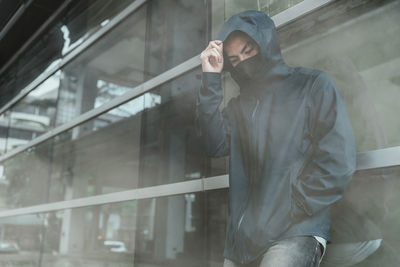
{"type": "Point", "coordinates": [18, 177]}
{"type": "Point", "coordinates": [27, 175]}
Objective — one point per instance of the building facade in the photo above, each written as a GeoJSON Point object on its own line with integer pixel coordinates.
{"type": "Point", "coordinates": [99, 161]}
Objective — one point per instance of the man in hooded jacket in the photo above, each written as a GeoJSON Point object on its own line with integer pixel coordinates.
{"type": "Point", "coordinates": [290, 142]}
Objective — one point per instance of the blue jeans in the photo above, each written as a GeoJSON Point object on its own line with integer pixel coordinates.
{"type": "Point", "coordinates": [299, 251]}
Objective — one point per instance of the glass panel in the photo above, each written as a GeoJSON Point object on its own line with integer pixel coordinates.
{"type": "Point", "coordinates": [20, 240]}
{"type": "Point", "coordinates": [356, 43]}
{"type": "Point", "coordinates": [148, 141]}
{"type": "Point", "coordinates": [25, 177]}
{"type": "Point", "coordinates": [170, 150]}
{"type": "Point", "coordinates": [86, 17]}
{"type": "Point", "coordinates": [172, 231]}
{"type": "Point", "coordinates": [34, 114]}
{"type": "Point", "coordinates": [108, 69]}
{"type": "Point", "coordinates": [149, 42]}
{"type": "Point", "coordinates": [100, 156]}
{"type": "Point", "coordinates": [136, 50]}
{"type": "Point", "coordinates": [79, 21]}
{"type": "Point", "coordinates": [94, 236]}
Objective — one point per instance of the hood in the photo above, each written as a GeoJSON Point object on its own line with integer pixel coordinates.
{"type": "Point", "coordinates": [262, 30]}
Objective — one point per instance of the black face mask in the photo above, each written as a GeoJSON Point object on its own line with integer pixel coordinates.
{"type": "Point", "coordinates": [247, 69]}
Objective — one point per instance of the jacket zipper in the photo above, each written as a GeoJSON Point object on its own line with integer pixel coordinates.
{"type": "Point", "coordinates": [248, 196]}
{"type": "Point", "coordinates": [255, 109]}
{"type": "Point", "coordinates": [252, 116]}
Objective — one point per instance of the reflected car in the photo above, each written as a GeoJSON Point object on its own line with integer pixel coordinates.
{"type": "Point", "coordinates": [8, 247]}
{"type": "Point", "coordinates": [115, 246]}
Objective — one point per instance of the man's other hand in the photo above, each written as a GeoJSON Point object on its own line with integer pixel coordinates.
{"type": "Point", "coordinates": [212, 59]}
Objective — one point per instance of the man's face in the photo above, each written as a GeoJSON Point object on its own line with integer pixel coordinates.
{"type": "Point", "coordinates": [239, 47]}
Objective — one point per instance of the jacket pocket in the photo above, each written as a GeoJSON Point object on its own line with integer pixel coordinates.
{"type": "Point", "coordinates": [297, 210]}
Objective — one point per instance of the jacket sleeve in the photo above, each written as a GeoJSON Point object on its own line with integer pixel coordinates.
{"type": "Point", "coordinates": [332, 163]}
{"type": "Point", "coordinates": [211, 124]}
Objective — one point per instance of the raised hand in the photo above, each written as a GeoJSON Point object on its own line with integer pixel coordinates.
{"type": "Point", "coordinates": [212, 59]}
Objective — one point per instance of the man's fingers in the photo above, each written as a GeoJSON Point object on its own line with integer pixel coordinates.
{"type": "Point", "coordinates": [210, 52]}
{"type": "Point", "coordinates": [220, 56]}
{"type": "Point", "coordinates": [216, 57]}
{"type": "Point", "coordinates": [213, 54]}
{"type": "Point", "coordinates": [219, 48]}
{"type": "Point", "coordinates": [217, 44]}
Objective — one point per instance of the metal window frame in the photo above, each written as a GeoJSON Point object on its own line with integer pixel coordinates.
{"type": "Point", "coordinates": [191, 186]}
{"type": "Point", "coordinates": [366, 160]}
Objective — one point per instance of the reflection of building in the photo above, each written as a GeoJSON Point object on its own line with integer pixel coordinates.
{"type": "Point", "coordinates": [100, 163]}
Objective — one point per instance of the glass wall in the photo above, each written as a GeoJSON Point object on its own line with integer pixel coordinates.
{"type": "Point", "coordinates": [136, 50]}
{"type": "Point", "coordinates": [149, 141]}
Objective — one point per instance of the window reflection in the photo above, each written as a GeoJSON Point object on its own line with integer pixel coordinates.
{"type": "Point", "coordinates": [35, 114]}
{"type": "Point", "coordinates": [182, 230]}
{"type": "Point", "coordinates": [93, 236]}
{"type": "Point", "coordinates": [20, 240]}
{"type": "Point", "coordinates": [25, 177]}
{"type": "Point", "coordinates": [78, 22]}
{"type": "Point", "coordinates": [147, 141]}
{"type": "Point", "coordinates": [350, 41]}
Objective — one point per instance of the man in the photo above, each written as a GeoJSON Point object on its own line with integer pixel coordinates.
{"type": "Point", "coordinates": [290, 143]}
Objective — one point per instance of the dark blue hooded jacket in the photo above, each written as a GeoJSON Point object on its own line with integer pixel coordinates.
{"type": "Point", "coordinates": [290, 142]}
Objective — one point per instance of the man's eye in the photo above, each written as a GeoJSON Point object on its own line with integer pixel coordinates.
{"type": "Point", "coordinates": [249, 51]}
